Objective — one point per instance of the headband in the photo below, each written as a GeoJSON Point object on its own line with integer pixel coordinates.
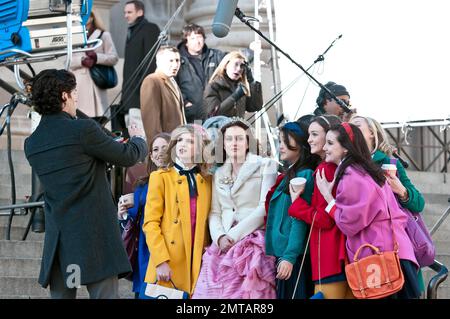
{"type": "Point", "coordinates": [295, 128]}
{"type": "Point", "coordinates": [349, 131]}
{"type": "Point", "coordinates": [325, 119]}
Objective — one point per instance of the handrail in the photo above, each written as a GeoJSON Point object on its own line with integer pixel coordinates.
{"type": "Point", "coordinates": [436, 280]}
{"type": "Point", "coordinates": [440, 221]}
{"type": "Point", "coordinates": [21, 206]}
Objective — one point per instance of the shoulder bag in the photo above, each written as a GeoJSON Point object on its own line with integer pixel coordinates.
{"type": "Point", "coordinates": [104, 76]}
{"type": "Point", "coordinates": [378, 275]}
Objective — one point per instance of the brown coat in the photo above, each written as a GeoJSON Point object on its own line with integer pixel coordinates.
{"type": "Point", "coordinates": [161, 105]}
{"type": "Point", "coordinates": [217, 98]}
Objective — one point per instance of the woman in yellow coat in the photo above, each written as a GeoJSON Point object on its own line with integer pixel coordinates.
{"type": "Point", "coordinates": [176, 211]}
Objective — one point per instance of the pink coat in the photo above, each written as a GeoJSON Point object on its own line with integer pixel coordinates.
{"type": "Point", "coordinates": [361, 213]}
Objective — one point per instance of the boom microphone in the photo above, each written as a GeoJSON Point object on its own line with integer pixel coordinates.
{"type": "Point", "coordinates": [224, 16]}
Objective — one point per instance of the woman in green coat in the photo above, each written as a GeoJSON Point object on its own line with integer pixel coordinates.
{"type": "Point", "coordinates": [408, 196]}
{"type": "Point", "coordinates": [382, 152]}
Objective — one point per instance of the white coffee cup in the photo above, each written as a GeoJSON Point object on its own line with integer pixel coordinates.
{"type": "Point", "coordinates": [298, 183]}
{"type": "Point", "coordinates": [390, 169]}
{"type": "Point", "coordinates": [127, 200]}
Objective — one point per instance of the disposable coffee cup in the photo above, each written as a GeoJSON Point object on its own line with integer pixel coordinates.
{"type": "Point", "coordinates": [390, 169]}
{"type": "Point", "coordinates": [127, 200]}
{"type": "Point", "coordinates": [298, 183]}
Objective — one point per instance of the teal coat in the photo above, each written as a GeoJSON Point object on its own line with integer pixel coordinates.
{"type": "Point", "coordinates": [415, 202]}
{"type": "Point", "coordinates": [285, 235]}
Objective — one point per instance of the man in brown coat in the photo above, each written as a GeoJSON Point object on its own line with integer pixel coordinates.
{"type": "Point", "coordinates": [161, 100]}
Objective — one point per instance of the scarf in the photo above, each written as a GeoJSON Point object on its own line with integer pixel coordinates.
{"type": "Point", "coordinates": [190, 175]}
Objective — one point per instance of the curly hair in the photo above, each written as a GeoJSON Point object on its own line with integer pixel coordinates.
{"type": "Point", "coordinates": [47, 88]}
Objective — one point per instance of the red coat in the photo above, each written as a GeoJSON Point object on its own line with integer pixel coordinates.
{"type": "Point", "coordinates": [332, 242]}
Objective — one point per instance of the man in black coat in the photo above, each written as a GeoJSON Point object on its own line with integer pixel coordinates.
{"type": "Point", "coordinates": [82, 245]}
{"type": "Point", "coordinates": [141, 37]}
{"type": "Point", "coordinates": [198, 63]}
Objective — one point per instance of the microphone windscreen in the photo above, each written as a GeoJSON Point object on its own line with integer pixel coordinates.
{"type": "Point", "coordinates": [224, 16]}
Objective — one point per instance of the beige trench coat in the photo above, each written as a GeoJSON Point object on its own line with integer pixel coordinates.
{"type": "Point", "coordinates": [92, 100]}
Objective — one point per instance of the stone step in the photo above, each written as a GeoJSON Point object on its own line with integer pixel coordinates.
{"type": "Point", "coordinates": [19, 168]}
{"type": "Point", "coordinates": [18, 220]}
{"type": "Point", "coordinates": [428, 177]}
{"type": "Point", "coordinates": [19, 267]}
{"type": "Point", "coordinates": [28, 287]}
{"type": "Point", "coordinates": [22, 192]}
{"type": "Point", "coordinates": [18, 156]}
{"type": "Point", "coordinates": [22, 249]}
{"type": "Point", "coordinates": [21, 179]}
{"type": "Point", "coordinates": [18, 232]}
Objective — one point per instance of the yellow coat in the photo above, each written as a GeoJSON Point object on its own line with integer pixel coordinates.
{"type": "Point", "coordinates": [167, 227]}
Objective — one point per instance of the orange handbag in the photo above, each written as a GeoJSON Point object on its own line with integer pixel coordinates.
{"type": "Point", "coordinates": [378, 275]}
{"type": "Point", "coordinates": [375, 276]}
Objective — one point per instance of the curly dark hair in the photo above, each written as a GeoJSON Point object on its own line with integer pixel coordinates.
{"type": "Point", "coordinates": [358, 154]}
{"type": "Point", "coordinates": [47, 88]}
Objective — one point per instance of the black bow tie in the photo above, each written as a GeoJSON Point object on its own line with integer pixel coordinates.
{"type": "Point", "coordinates": [190, 174]}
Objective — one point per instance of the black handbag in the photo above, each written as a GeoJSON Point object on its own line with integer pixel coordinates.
{"type": "Point", "coordinates": [104, 76]}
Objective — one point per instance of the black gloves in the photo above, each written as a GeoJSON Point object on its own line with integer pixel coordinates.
{"type": "Point", "coordinates": [249, 74]}
{"type": "Point", "coordinates": [239, 92]}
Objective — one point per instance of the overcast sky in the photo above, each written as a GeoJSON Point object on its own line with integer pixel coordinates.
{"type": "Point", "coordinates": [393, 57]}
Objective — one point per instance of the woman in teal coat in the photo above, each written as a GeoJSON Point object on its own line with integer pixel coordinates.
{"type": "Point", "coordinates": [286, 236]}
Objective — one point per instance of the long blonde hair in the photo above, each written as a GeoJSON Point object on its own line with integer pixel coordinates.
{"type": "Point", "coordinates": [381, 141]}
{"type": "Point", "coordinates": [221, 70]}
{"type": "Point", "coordinates": [202, 147]}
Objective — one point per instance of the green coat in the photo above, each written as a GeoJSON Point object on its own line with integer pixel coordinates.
{"type": "Point", "coordinates": [285, 235]}
{"type": "Point", "coordinates": [415, 202]}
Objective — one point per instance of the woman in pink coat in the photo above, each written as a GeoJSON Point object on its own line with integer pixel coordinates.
{"type": "Point", "coordinates": [363, 203]}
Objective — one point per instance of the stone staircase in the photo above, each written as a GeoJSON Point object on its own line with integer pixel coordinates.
{"type": "Point", "coordinates": [20, 260]}
{"type": "Point", "coordinates": [436, 189]}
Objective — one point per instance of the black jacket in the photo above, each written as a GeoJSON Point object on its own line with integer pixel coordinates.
{"type": "Point", "coordinates": [217, 98]}
{"type": "Point", "coordinates": [191, 84]}
{"type": "Point", "coordinates": [143, 36]}
{"type": "Point", "coordinates": [69, 157]}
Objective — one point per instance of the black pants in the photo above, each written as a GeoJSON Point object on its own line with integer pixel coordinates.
{"type": "Point", "coordinates": [305, 287]}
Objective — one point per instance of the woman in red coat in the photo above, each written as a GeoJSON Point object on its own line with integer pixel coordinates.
{"type": "Point", "coordinates": [327, 243]}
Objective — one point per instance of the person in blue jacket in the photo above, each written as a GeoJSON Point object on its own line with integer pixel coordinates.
{"type": "Point", "coordinates": [158, 147]}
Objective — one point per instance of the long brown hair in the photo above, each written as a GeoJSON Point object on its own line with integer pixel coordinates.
{"type": "Point", "coordinates": [151, 167]}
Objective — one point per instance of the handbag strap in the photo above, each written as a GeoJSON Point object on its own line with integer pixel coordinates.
{"type": "Point", "coordinates": [170, 280]}
{"type": "Point", "coordinates": [304, 255]}
{"type": "Point", "coordinates": [100, 36]}
{"type": "Point", "coordinates": [391, 224]}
